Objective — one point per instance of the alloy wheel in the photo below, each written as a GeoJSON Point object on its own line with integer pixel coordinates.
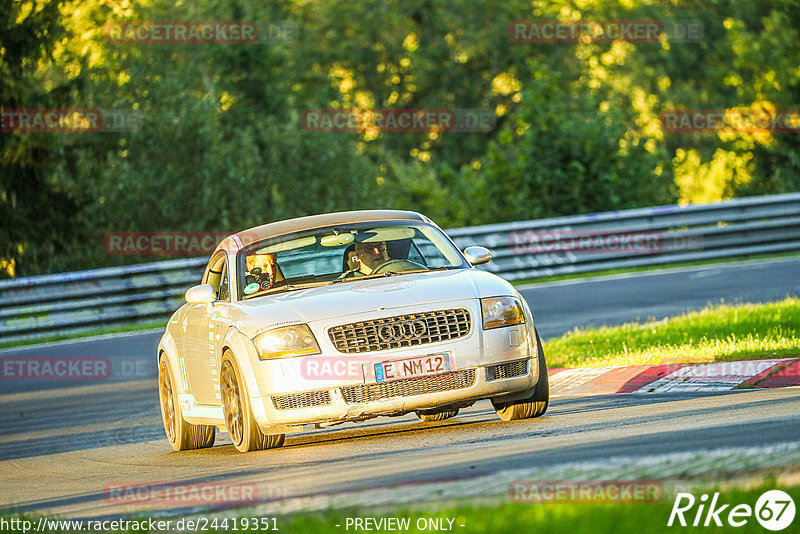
{"type": "Point", "coordinates": [233, 404]}
{"type": "Point", "coordinates": [167, 399]}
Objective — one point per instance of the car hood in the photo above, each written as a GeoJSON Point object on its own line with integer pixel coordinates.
{"type": "Point", "coordinates": [358, 297]}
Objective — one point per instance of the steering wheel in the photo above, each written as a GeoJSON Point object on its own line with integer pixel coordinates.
{"type": "Point", "coordinates": [407, 266]}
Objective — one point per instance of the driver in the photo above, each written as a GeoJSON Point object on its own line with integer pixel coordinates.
{"type": "Point", "coordinates": [367, 256]}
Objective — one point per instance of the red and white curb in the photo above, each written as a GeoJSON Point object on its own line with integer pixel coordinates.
{"type": "Point", "coordinates": [679, 378]}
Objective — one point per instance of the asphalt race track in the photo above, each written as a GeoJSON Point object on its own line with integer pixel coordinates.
{"type": "Point", "coordinates": [64, 444]}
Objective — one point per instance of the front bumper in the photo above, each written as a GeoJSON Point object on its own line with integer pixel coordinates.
{"type": "Point", "coordinates": [362, 401]}
{"type": "Point", "coordinates": [485, 364]}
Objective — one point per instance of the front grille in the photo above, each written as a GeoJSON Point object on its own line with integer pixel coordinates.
{"type": "Point", "coordinates": [507, 370]}
{"type": "Point", "coordinates": [368, 336]}
{"type": "Point", "coordinates": [301, 400]}
{"type": "Point", "coordinates": [409, 387]}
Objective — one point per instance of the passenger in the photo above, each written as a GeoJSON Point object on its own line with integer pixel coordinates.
{"type": "Point", "coordinates": [260, 269]}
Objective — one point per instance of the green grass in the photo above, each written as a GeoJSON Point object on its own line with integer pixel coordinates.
{"type": "Point", "coordinates": [677, 265]}
{"type": "Point", "coordinates": [571, 517]}
{"type": "Point", "coordinates": [717, 333]}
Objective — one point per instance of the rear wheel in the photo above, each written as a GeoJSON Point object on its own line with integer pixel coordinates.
{"type": "Point", "coordinates": [427, 416]}
{"type": "Point", "coordinates": [180, 434]}
{"type": "Point", "coordinates": [242, 427]}
{"type": "Point", "coordinates": [536, 404]}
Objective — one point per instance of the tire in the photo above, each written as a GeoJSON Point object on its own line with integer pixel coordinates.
{"type": "Point", "coordinates": [181, 435]}
{"type": "Point", "coordinates": [242, 427]}
{"type": "Point", "coordinates": [427, 417]}
{"type": "Point", "coordinates": [533, 406]}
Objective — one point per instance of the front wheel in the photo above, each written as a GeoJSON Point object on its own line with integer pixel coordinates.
{"type": "Point", "coordinates": [242, 427]}
{"type": "Point", "coordinates": [180, 434]}
{"type": "Point", "coordinates": [533, 406]}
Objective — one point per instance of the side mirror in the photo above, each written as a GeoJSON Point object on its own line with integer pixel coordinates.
{"type": "Point", "coordinates": [202, 294]}
{"type": "Point", "coordinates": [478, 255]}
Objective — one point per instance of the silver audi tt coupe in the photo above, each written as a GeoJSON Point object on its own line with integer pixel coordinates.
{"type": "Point", "coordinates": [343, 317]}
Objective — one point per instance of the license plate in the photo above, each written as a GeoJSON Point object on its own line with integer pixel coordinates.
{"type": "Point", "coordinates": [432, 364]}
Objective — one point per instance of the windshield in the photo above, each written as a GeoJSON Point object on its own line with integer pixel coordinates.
{"type": "Point", "coordinates": [343, 253]}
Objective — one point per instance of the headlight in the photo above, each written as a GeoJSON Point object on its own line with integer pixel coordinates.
{"type": "Point", "coordinates": [501, 311]}
{"type": "Point", "coordinates": [295, 340]}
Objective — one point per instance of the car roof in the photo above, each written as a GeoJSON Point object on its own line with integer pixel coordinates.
{"type": "Point", "coordinates": [299, 224]}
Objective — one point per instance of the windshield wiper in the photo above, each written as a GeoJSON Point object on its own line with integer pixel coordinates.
{"type": "Point", "coordinates": [418, 270]}
{"type": "Point", "coordinates": [288, 287]}
{"type": "Point", "coordinates": [362, 277]}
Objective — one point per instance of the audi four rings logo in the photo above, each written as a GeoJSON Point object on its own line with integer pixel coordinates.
{"type": "Point", "coordinates": [405, 331]}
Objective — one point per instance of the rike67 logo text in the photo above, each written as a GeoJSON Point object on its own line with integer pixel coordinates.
{"type": "Point", "coordinates": [774, 510]}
